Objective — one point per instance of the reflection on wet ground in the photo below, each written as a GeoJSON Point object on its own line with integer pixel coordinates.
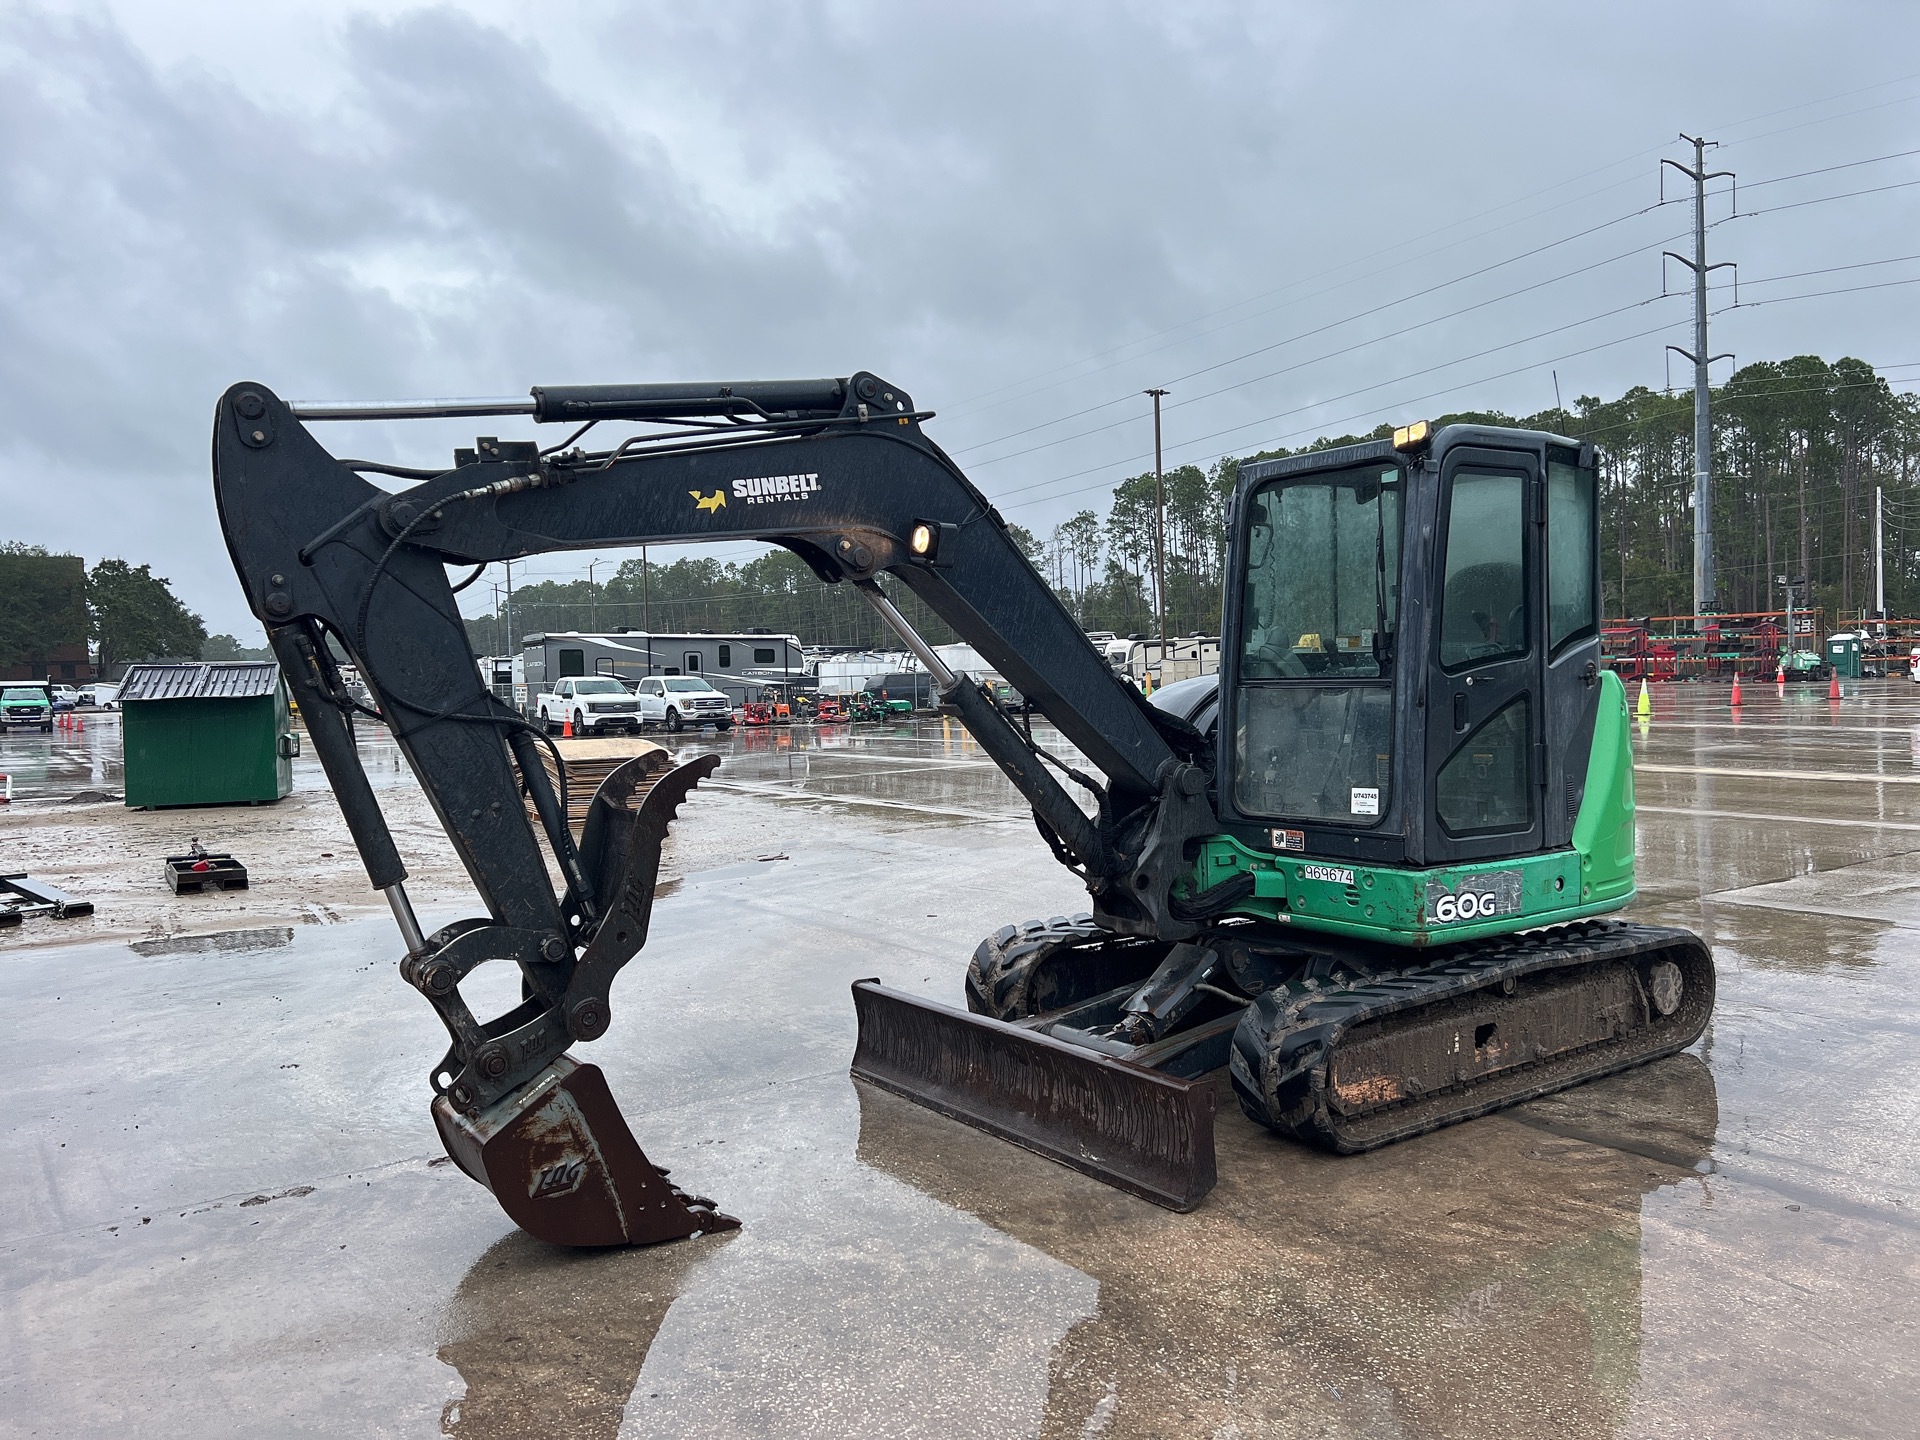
{"type": "Point", "coordinates": [220, 1211]}
{"type": "Point", "coordinates": [534, 1362]}
{"type": "Point", "coordinates": [1464, 1286]}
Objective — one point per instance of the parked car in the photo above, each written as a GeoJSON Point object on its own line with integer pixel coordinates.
{"type": "Point", "coordinates": [65, 697]}
{"type": "Point", "coordinates": [677, 701]}
{"type": "Point", "coordinates": [590, 703]}
{"type": "Point", "coordinates": [26, 705]}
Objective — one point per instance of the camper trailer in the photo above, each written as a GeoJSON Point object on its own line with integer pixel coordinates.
{"type": "Point", "coordinates": [736, 665]}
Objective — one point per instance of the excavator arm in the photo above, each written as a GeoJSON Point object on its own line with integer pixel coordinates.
{"type": "Point", "coordinates": [837, 471]}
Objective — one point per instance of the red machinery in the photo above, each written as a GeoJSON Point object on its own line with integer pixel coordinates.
{"type": "Point", "coordinates": [1632, 654]}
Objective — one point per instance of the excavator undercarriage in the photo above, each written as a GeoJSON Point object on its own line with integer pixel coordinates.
{"type": "Point", "coordinates": [1363, 874]}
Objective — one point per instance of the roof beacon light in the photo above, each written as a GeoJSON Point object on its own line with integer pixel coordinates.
{"type": "Point", "coordinates": [1412, 437]}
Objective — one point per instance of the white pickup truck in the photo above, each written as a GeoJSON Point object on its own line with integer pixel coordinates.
{"type": "Point", "coordinates": [591, 702]}
{"type": "Point", "coordinates": [677, 701]}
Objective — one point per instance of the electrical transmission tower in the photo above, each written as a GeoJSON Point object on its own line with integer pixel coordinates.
{"type": "Point", "coordinates": [1704, 596]}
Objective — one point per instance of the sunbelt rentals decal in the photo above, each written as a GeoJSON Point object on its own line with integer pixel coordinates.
{"type": "Point", "coordinates": [766, 489]}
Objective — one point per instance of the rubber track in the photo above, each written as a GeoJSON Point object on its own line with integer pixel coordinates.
{"type": "Point", "coordinates": [1007, 977]}
{"type": "Point", "coordinates": [1287, 1040]}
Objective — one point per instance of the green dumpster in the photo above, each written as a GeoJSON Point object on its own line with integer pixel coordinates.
{"type": "Point", "coordinates": [210, 733]}
{"type": "Point", "coordinates": [1843, 656]}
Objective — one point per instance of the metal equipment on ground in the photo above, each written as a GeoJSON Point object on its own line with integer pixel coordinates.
{"type": "Point", "coordinates": [1314, 870]}
{"type": "Point", "coordinates": [22, 895]}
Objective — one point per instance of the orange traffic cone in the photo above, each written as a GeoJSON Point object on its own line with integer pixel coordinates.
{"type": "Point", "coordinates": [1736, 690]}
{"type": "Point", "coordinates": [79, 721]}
{"type": "Point", "coordinates": [566, 728]}
{"type": "Point", "coordinates": [1833, 687]}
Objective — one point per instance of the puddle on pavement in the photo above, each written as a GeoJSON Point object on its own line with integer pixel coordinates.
{"type": "Point", "coordinates": [539, 1358]}
{"type": "Point", "coordinates": [216, 942]}
{"type": "Point", "coordinates": [850, 1304]}
{"type": "Point", "coordinates": [1436, 1287]}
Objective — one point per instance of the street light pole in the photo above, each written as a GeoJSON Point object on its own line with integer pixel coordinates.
{"type": "Point", "coordinates": [1159, 530]}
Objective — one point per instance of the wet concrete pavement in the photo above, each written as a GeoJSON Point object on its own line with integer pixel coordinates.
{"type": "Point", "coordinates": [220, 1211]}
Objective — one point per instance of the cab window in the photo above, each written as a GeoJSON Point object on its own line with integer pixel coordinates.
{"type": "Point", "coordinates": [1320, 608]}
{"type": "Point", "coordinates": [1483, 607]}
{"type": "Point", "coordinates": [1571, 609]}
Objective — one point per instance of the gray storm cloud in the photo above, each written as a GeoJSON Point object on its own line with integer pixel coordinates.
{"type": "Point", "coordinates": [459, 201]}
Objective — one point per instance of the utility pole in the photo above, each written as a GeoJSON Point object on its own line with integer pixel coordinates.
{"type": "Point", "coordinates": [593, 605]}
{"type": "Point", "coordinates": [1159, 530]}
{"type": "Point", "coordinates": [1879, 565]}
{"type": "Point", "coordinates": [1703, 579]}
{"type": "Point", "coordinates": [646, 607]}
{"type": "Point", "coordinates": [511, 646]}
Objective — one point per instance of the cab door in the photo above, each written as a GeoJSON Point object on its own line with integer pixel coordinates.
{"type": "Point", "coordinates": [1485, 761]}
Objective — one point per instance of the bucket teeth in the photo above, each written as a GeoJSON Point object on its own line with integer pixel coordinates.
{"type": "Point", "coordinates": [564, 1166]}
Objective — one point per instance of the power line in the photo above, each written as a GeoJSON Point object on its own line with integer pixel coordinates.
{"type": "Point", "coordinates": [1821, 199]}
{"type": "Point", "coordinates": [957, 409]}
{"type": "Point", "coordinates": [1387, 305]}
{"type": "Point", "coordinates": [1829, 169]}
{"type": "Point", "coordinates": [1817, 294]}
{"type": "Point", "coordinates": [1334, 325]}
{"type": "Point", "coordinates": [1325, 424]}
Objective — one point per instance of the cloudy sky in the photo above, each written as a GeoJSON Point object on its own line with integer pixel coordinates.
{"type": "Point", "coordinates": [1300, 218]}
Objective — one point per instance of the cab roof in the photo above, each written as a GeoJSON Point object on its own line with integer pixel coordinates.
{"type": "Point", "coordinates": [1444, 439]}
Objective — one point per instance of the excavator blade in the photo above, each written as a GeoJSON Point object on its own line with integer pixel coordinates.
{"type": "Point", "coordinates": [1134, 1128]}
{"type": "Point", "coordinates": [564, 1166]}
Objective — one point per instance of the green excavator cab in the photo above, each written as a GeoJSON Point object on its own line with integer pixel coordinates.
{"type": "Point", "coordinates": [1418, 741]}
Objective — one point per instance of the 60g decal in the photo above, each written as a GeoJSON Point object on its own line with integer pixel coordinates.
{"type": "Point", "coordinates": [1475, 897]}
{"type": "Point", "coordinates": [1467, 905]}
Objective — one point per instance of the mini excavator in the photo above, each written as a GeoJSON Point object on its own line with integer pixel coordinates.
{"type": "Point", "coordinates": [1368, 877]}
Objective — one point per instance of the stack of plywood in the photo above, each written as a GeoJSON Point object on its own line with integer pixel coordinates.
{"type": "Point", "coordinates": [589, 761]}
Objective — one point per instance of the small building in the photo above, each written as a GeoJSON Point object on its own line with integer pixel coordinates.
{"type": "Point", "coordinates": [206, 733]}
{"type": "Point", "coordinates": [43, 598]}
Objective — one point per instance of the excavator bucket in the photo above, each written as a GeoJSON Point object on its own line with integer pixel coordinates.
{"type": "Point", "coordinates": [556, 1152]}
{"type": "Point", "coordinates": [564, 1166]}
{"type": "Point", "coordinates": [1135, 1128]}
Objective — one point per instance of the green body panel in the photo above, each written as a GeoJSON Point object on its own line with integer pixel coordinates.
{"type": "Point", "coordinates": [206, 751]}
{"type": "Point", "coordinates": [1403, 906]}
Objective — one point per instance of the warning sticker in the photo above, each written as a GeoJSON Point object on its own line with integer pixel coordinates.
{"type": "Point", "coordinates": [1366, 800]}
{"type": "Point", "coordinates": [1289, 839]}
